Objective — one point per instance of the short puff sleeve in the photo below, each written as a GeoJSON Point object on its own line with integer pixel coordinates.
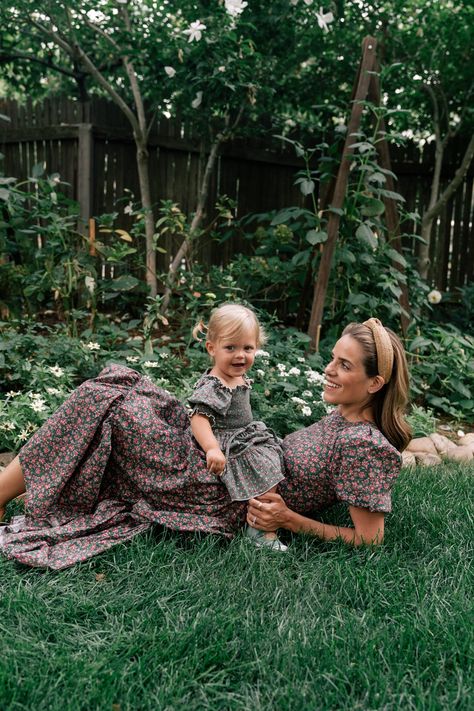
{"type": "Point", "coordinates": [210, 398]}
{"type": "Point", "coordinates": [366, 469]}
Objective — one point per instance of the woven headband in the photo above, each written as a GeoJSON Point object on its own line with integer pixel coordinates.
{"type": "Point", "coordinates": [383, 346]}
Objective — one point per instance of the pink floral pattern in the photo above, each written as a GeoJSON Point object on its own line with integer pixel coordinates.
{"type": "Point", "coordinates": [118, 456]}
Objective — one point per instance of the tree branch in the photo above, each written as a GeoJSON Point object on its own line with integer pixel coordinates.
{"type": "Point", "coordinates": [436, 208]}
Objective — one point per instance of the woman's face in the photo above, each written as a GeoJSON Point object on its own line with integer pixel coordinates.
{"type": "Point", "coordinates": [347, 383]}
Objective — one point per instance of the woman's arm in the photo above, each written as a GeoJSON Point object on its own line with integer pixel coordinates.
{"type": "Point", "coordinates": [202, 431]}
{"type": "Point", "coordinates": [270, 512]}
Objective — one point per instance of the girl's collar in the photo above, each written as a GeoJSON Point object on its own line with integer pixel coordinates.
{"type": "Point", "coordinates": [247, 384]}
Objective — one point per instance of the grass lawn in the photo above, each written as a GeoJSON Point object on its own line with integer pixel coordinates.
{"type": "Point", "coordinates": [170, 622]}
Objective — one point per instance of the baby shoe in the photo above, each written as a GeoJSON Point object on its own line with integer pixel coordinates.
{"type": "Point", "coordinates": [257, 537]}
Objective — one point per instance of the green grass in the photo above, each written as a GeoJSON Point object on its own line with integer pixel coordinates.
{"type": "Point", "coordinates": [170, 622]}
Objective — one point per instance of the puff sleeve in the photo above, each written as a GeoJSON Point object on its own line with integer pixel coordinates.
{"type": "Point", "coordinates": [210, 398]}
{"type": "Point", "coordinates": [366, 469]}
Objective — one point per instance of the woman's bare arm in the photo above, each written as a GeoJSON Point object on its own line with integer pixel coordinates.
{"type": "Point", "coordinates": [270, 512]}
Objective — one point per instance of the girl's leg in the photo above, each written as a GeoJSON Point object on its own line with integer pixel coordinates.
{"type": "Point", "coordinates": [267, 539]}
{"type": "Point", "coordinates": [12, 484]}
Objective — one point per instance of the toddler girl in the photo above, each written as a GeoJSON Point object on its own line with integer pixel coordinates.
{"type": "Point", "coordinates": [242, 451]}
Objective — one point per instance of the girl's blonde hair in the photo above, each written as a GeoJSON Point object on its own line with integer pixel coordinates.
{"type": "Point", "coordinates": [388, 403]}
{"type": "Point", "coordinates": [229, 321]}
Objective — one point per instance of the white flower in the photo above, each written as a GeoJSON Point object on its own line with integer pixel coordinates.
{"type": "Point", "coordinates": [53, 391]}
{"type": "Point", "coordinates": [195, 31]}
{"type": "Point", "coordinates": [308, 2]}
{"type": "Point", "coordinates": [323, 18]}
{"type": "Point", "coordinates": [460, 433]}
{"type": "Point", "coordinates": [164, 355]}
{"type": "Point", "coordinates": [307, 393]}
{"type": "Point", "coordinates": [24, 434]}
{"type": "Point", "coordinates": [13, 393]}
{"type": "Point", "coordinates": [300, 359]}
{"type": "Point", "coordinates": [294, 371]}
{"type": "Point", "coordinates": [306, 410]}
{"type": "Point", "coordinates": [313, 376]}
{"type": "Point", "coordinates": [298, 400]}
{"type": "Point", "coordinates": [92, 346]}
{"type": "Point", "coordinates": [221, 68]}
{"type": "Point", "coordinates": [262, 354]}
{"type": "Point", "coordinates": [434, 297]}
{"type": "Point", "coordinates": [56, 370]}
{"type": "Point", "coordinates": [196, 103]}
{"type": "Point", "coordinates": [38, 405]}
{"type": "Point", "coordinates": [260, 372]}
{"type": "Point", "coordinates": [281, 367]}
{"type": "Point", "coordinates": [7, 426]}
{"type": "Point", "coordinates": [170, 71]}
{"type": "Point", "coordinates": [235, 7]}
{"type": "Point", "coordinates": [132, 359]}
{"type": "Point", "coordinates": [151, 364]}
{"type": "Point", "coordinates": [90, 284]}
{"type": "Point", "coordinates": [128, 209]}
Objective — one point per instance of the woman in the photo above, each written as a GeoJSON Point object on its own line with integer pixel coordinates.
{"type": "Point", "coordinates": [353, 454]}
{"type": "Point", "coordinates": [118, 456]}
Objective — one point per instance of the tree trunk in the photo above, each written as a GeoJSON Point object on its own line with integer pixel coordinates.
{"type": "Point", "coordinates": [426, 225]}
{"type": "Point", "coordinates": [145, 195]}
{"type": "Point", "coordinates": [195, 224]}
{"type": "Point", "coordinates": [436, 204]}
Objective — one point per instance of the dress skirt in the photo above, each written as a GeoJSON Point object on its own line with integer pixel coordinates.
{"type": "Point", "coordinates": [116, 457]}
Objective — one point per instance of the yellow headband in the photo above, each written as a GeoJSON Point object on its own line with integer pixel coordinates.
{"type": "Point", "coordinates": [383, 346]}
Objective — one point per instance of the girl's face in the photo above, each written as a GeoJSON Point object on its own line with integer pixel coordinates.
{"type": "Point", "coordinates": [233, 356]}
{"type": "Point", "coordinates": [347, 383]}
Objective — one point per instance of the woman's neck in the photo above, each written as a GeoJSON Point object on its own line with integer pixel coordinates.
{"type": "Point", "coordinates": [356, 413]}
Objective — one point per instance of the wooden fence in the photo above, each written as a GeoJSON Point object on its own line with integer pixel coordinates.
{"type": "Point", "coordinates": [91, 147]}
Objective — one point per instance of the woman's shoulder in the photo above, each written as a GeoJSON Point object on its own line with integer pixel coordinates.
{"type": "Point", "coordinates": [363, 438]}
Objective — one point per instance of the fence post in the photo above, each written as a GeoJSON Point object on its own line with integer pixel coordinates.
{"type": "Point", "coordinates": [85, 174]}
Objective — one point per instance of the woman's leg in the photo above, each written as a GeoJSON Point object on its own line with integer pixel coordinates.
{"type": "Point", "coordinates": [12, 483]}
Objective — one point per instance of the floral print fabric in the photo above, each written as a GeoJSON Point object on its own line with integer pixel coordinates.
{"type": "Point", "coordinates": [337, 460]}
{"type": "Point", "coordinates": [119, 456]}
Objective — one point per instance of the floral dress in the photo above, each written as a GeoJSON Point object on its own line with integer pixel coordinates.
{"type": "Point", "coordinates": [119, 456]}
{"type": "Point", "coordinates": [338, 460]}
{"type": "Point", "coordinates": [254, 461]}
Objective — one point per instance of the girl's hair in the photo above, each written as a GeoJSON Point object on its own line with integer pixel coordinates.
{"type": "Point", "coordinates": [390, 401]}
{"type": "Point", "coordinates": [229, 321]}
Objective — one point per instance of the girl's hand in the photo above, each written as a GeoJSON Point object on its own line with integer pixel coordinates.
{"type": "Point", "coordinates": [268, 512]}
{"type": "Point", "coordinates": [215, 461]}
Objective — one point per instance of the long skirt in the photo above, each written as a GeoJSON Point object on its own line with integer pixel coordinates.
{"type": "Point", "coordinates": [117, 457]}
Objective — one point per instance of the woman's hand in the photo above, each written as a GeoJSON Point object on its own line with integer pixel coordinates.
{"type": "Point", "coordinates": [268, 512]}
{"type": "Point", "coordinates": [215, 460]}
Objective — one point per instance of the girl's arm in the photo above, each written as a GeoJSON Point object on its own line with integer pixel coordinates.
{"type": "Point", "coordinates": [202, 431]}
{"type": "Point", "coordinates": [270, 512]}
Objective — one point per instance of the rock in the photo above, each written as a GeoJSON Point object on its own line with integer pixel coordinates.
{"type": "Point", "coordinates": [422, 445]}
{"type": "Point", "coordinates": [467, 439]}
{"type": "Point", "coordinates": [6, 458]}
{"type": "Point", "coordinates": [442, 443]}
{"type": "Point", "coordinates": [461, 454]}
{"type": "Point", "coordinates": [408, 459]}
{"type": "Point", "coordinates": [427, 459]}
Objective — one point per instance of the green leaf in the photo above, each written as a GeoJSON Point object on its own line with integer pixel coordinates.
{"type": "Point", "coordinates": [373, 207]}
{"type": "Point", "coordinates": [391, 194]}
{"type": "Point", "coordinates": [126, 282]}
{"type": "Point", "coordinates": [4, 194]}
{"type": "Point", "coordinates": [357, 299]}
{"type": "Point", "coordinates": [336, 210]}
{"type": "Point", "coordinates": [316, 236]}
{"type": "Point", "coordinates": [38, 170]}
{"type": "Point", "coordinates": [419, 342]}
{"type": "Point", "coordinates": [307, 186]}
{"type": "Point", "coordinates": [397, 257]}
{"type": "Point", "coordinates": [364, 233]}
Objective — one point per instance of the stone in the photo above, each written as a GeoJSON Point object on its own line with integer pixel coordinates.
{"type": "Point", "coordinates": [461, 454]}
{"type": "Point", "coordinates": [467, 439]}
{"type": "Point", "coordinates": [422, 445]}
{"type": "Point", "coordinates": [6, 458]}
{"type": "Point", "coordinates": [443, 444]}
{"type": "Point", "coordinates": [408, 459]}
{"type": "Point", "coordinates": [427, 459]}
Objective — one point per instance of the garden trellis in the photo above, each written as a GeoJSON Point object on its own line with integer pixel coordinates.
{"type": "Point", "coordinates": [91, 147]}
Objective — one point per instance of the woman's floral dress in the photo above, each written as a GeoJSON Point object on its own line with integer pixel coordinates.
{"type": "Point", "coordinates": [254, 460]}
{"type": "Point", "coordinates": [118, 456]}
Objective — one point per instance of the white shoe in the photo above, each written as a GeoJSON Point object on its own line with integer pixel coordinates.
{"type": "Point", "coordinates": [258, 538]}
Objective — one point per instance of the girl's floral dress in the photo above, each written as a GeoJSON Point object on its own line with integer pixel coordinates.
{"type": "Point", "coordinates": [118, 456]}
{"type": "Point", "coordinates": [254, 460]}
